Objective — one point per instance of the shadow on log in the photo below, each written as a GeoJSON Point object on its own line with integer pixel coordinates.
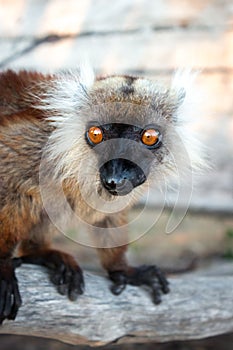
{"type": "Point", "coordinates": [197, 307]}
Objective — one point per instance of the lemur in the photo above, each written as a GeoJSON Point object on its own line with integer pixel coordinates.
{"type": "Point", "coordinates": [123, 130]}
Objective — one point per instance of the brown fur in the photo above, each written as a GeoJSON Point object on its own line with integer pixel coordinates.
{"type": "Point", "coordinates": [24, 131]}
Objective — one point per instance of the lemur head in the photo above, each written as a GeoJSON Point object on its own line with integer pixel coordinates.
{"type": "Point", "coordinates": [116, 133]}
{"type": "Point", "coordinates": [130, 126]}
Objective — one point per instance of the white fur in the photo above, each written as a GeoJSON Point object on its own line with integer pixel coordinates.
{"type": "Point", "coordinates": [189, 114]}
{"type": "Point", "coordinates": [64, 99]}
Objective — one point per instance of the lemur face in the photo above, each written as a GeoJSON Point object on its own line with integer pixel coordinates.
{"type": "Point", "coordinates": [126, 157]}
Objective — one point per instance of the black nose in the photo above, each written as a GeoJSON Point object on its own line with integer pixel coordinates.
{"type": "Point", "coordinates": [119, 176]}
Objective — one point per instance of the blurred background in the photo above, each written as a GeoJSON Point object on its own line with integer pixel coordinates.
{"type": "Point", "coordinates": [149, 38]}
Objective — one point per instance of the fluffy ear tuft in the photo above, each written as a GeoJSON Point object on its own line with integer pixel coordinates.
{"type": "Point", "coordinates": [86, 74]}
{"type": "Point", "coordinates": [67, 92]}
{"type": "Point", "coordinates": [183, 84]}
{"type": "Point", "coordinates": [184, 79]}
{"type": "Point", "coordinates": [188, 115]}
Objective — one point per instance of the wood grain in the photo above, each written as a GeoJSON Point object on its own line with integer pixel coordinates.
{"type": "Point", "coordinates": [197, 307]}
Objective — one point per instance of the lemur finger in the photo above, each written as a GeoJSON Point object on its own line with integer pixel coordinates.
{"type": "Point", "coordinates": [17, 302]}
{"type": "Point", "coordinates": [119, 282]}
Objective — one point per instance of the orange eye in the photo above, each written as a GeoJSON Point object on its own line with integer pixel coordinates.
{"type": "Point", "coordinates": [95, 135]}
{"type": "Point", "coordinates": [150, 137]}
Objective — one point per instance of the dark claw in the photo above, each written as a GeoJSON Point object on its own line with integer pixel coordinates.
{"type": "Point", "coordinates": [119, 282]}
{"type": "Point", "coordinates": [76, 284]}
{"type": "Point", "coordinates": [117, 288]}
{"type": "Point", "coordinates": [156, 293]}
{"type": "Point", "coordinates": [150, 276]}
{"type": "Point", "coordinates": [7, 308]}
{"type": "Point", "coordinates": [57, 275]}
{"type": "Point", "coordinates": [17, 302]}
{"type": "Point", "coordinates": [76, 287]}
{"type": "Point", "coordinates": [3, 288]}
{"type": "Point", "coordinates": [10, 299]}
{"type": "Point", "coordinates": [75, 291]}
{"type": "Point", "coordinates": [63, 289]}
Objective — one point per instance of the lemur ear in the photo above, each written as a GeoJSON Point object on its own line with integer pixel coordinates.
{"type": "Point", "coordinates": [181, 96]}
{"type": "Point", "coordinates": [86, 74]}
{"type": "Point", "coordinates": [186, 95]}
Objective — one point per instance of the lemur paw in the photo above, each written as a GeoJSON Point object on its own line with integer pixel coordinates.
{"type": "Point", "coordinates": [150, 276]}
{"type": "Point", "coordinates": [10, 299]}
{"type": "Point", "coordinates": [63, 269]}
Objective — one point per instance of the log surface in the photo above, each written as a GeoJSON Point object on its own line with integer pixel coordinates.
{"type": "Point", "coordinates": [197, 307]}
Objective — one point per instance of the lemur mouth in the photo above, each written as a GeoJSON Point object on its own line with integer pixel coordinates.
{"type": "Point", "coordinates": [119, 189]}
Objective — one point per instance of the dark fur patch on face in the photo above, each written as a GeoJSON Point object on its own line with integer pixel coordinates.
{"type": "Point", "coordinates": [128, 88]}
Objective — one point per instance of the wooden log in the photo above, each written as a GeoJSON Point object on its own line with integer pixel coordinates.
{"type": "Point", "coordinates": [197, 307]}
